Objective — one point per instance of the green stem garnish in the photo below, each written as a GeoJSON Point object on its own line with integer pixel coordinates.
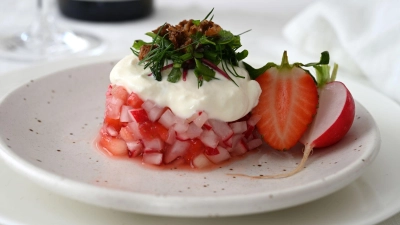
{"type": "Point", "coordinates": [202, 48]}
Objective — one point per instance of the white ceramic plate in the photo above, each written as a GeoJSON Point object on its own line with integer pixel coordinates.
{"type": "Point", "coordinates": [47, 129]}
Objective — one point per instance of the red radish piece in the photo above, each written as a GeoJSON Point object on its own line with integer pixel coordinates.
{"type": "Point", "coordinates": [154, 158]}
{"type": "Point", "coordinates": [125, 117]}
{"type": "Point", "coordinates": [178, 149]}
{"type": "Point", "coordinates": [200, 161]}
{"type": "Point", "coordinates": [139, 115]}
{"type": "Point", "coordinates": [221, 128]}
{"type": "Point", "coordinates": [217, 155]}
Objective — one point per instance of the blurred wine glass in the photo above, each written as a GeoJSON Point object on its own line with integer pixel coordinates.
{"type": "Point", "coordinates": [44, 39]}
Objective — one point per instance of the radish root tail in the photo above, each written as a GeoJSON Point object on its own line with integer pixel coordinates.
{"type": "Point", "coordinates": [307, 151]}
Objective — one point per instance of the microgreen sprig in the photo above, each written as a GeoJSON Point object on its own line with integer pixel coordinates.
{"type": "Point", "coordinates": [202, 53]}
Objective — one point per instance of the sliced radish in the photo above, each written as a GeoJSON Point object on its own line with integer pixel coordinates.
{"type": "Point", "coordinates": [217, 155]}
{"type": "Point", "coordinates": [182, 136]}
{"type": "Point", "coordinates": [209, 138]}
{"type": "Point", "coordinates": [148, 105]}
{"type": "Point", "coordinates": [178, 149]}
{"type": "Point", "coordinates": [221, 128]}
{"type": "Point", "coordinates": [134, 127]}
{"type": "Point", "coordinates": [154, 158]}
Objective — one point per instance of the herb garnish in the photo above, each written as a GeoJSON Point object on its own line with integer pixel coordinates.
{"type": "Point", "coordinates": [195, 44]}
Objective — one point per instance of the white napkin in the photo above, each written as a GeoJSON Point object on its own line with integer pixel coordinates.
{"type": "Point", "coordinates": [363, 37]}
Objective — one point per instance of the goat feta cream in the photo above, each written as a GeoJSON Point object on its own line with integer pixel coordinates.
{"type": "Point", "coordinates": [220, 97]}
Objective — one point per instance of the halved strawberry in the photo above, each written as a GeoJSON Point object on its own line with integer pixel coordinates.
{"type": "Point", "coordinates": [287, 104]}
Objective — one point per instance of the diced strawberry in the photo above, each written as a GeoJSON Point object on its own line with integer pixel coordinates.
{"type": "Point", "coordinates": [161, 131]}
{"type": "Point", "coordinates": [196, 148]}
{"type": "Point", "coordinates": [113, 145]}
{"type": "Point", "coordinates": [134, 101]}
{"type": "Point", "coordinates": [115, 123]}
{"type": "Point", "coordinates": [126, 134]}
{"type": "Point", "coordinates": [120, 92]}
{"type": "Point", "coordinates": [287, 104]}
{"type": "Point", "coordinates": [146, 130]}
{"type": "Point", "coordinates": [139, 115]}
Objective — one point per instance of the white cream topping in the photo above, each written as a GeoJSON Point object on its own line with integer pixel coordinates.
{"type": "Point", "coordinates": [221, 99]}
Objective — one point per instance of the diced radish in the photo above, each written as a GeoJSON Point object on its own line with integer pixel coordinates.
{"type": "Point", "coordinates": [176, 150]}
{"type": "Point", "coordinates": [227, 143]}
{"type": "Point", "coordinates": [193, 117]}
{"type": "Point", "coordinates": [182, 136]}
{"type": "Point", "coordinates": [154, 158]}
{"type": "Point", "coordinates": [181, 126]}
{"type": "Point", "coordinates": [125, 117]}
{"type": "Point", "coordinates": [111, 131]}
{"type": "Point", "coordinates": [134, 127]}
{"type": "Point", "coordinates": [221, 128]}
{"type": "Point", "coordinates": [155, 144]}
{"type": "Point", "coordinates": [108, 93]}
{"type": "Point", "coordinates": [193, 131]}
{"type": "Point", "coordinates": [238, 127]}
{"type": "Point", "coordinates": [236, 139]}
{"type": "Point", "coordinates": [135, 147]}
{"type": "Point", "coordinates": [254, 143]}
{"type": "Point", "coordinates": [253, 120]}
{"type": "Point", "coordinates": [207, 125]}
{"type": "Point", "coordinates": [155, 113]}
{"type": "Point", "coordinates": [218, 155]}
{"type": "Point", "coordinates": [113, 107]}
{"type": "Point", "coordinates": [201, 161]}
{"type": "Point", "coordinates": [167, 119]}
{"type": "Point", "coordinates": [139, 115]}
{"type": "Point", "coordinates": [171, 136]}
{"type": "Point", "coordinates": [209, 138]}
{"type": "Point", "coordinates": [148, 105]}
{"type": "Point", "coordinates": [240, 148]}
{"type": "Point", "coordinates": [249, 131]}
{"type": "Point", "coordinates": [201, 119]}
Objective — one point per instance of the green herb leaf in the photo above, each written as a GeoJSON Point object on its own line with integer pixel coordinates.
{"type": "Point", "coordinates": [204, 71]}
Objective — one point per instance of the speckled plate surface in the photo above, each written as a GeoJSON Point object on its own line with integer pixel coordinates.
{"type": "Point", "coordinates": [48, 127]}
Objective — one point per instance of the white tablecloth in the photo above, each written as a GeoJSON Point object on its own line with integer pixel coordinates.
{"type": "Point", "coordinates": [265, 42]}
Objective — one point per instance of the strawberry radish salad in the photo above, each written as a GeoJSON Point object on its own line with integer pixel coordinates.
{"type": "Point", "coordinates": [186, 98]}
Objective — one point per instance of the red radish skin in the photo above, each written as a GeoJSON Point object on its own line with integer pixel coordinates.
{"type": "Point", "coordinates": [334, 117]}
